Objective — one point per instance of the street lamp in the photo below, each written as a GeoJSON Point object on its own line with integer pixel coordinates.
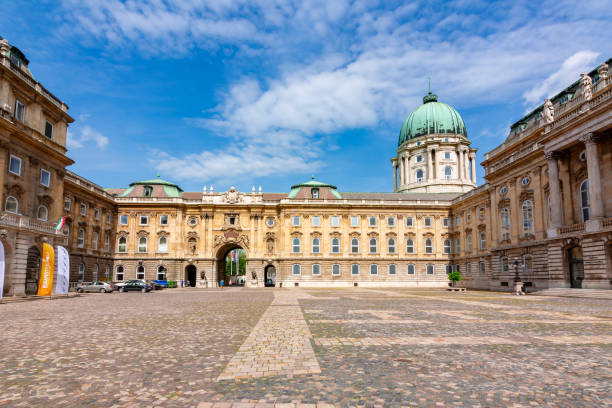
{"type": "Point", "coordinates": [517, 278]}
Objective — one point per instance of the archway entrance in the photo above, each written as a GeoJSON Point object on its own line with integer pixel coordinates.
{"type": "Point", "coordinates": [576, 267]}
{"type": "Point", "coordinates": [270, 276]}
{"type": "Point", "coordinates": [32, 271]}
{"type": "Point", "coordinates": [190, 276]}
{"type": "Point", "coordinates": [231, 265]}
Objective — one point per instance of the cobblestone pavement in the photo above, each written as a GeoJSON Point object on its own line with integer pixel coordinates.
{"type": "Point", "coordinates": [302, 347]}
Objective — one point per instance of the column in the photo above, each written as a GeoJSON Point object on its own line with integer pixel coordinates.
{"type": "Point", "coordinates": [556, 211]}
{"type": "Point", "coordinates": [394, 176]}
{"type": "Point", "coordinates": [435, 164]}
{"type": "Point", "coordinates": [540, 210]}
{"type": "Point", "coordinates": [473, 161]}
{"type": "Point", "coordinates": [401, 170]}
{"type": "Point", "coordinates": [429, 165]}
{"type": "Point", "coordinates": [597, 208]}
{"type": "Point", "coordinates": [459, 160]}
{"type": "Point", "coordinates": [466, 161]}
{"type": "Point", "coordinates": [407, 170]}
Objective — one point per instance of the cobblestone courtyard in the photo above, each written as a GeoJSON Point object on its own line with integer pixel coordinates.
{"type": "Point", "coordinates": [341, 347]}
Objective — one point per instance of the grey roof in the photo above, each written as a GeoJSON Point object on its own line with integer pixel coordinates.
{"type": "Point", "coordinates": [401, 196]}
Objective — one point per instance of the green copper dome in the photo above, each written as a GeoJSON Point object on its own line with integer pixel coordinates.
{"type": "Point", "coordinates": [432, 117]}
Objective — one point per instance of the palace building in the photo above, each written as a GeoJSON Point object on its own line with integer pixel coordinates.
{"type": "Point", "coordinates": [545, 209]}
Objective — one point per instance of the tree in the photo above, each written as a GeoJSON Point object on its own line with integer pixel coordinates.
{"type": "Point", "coordinates": [454, 276]}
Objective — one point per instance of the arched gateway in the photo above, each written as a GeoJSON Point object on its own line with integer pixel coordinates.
{"type": "Point", "coordinates": [231, 265]}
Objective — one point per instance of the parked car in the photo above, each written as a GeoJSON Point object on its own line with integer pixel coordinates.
{"type": "Point", "coordinates": [156, 285]}
{"type": "Point", "coordinates": [135, 285]}
{"type": "Point", "coordinates": [98, 286]}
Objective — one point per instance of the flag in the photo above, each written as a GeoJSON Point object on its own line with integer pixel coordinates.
{"type": "Point", "coordinates": [63, 271]}
{"type": "Point", "coordinates": [60, 224]}
{"type": "Point", "coordinates": [45, 285]}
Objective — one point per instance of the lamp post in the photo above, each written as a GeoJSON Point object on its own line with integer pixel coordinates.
{"type": "Point", "coordinates": [518, 285]}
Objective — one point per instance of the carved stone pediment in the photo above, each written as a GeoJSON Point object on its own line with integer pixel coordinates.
{"type": "Point", "coordinates": [231, 236]}
{"type": "Point", "coordinates": [123, 233]}
{"type": "Point", "coordinates": [315, 234]}
{"type": "Point", "coordinates": [270, 235]}
{"type": "Point", "coordinates": [428, 234]}
{"type": "Point", "coordinates": [391, 234]}
{"type": "Point", "coordinates": [232, 196]}
{"type": "Point", "coordinates": [14, 190]}
{"type": "Point", "coordinates": [142, 233]}
{"type": "Point", "coordinates": [162, 233]}
{"type": "Point", "coordinates": [296, 234]}
{"type": "Point", "coordinates": [192, 234]}
{"type": "Point", "coordinates": [45, 200]}
{"type": "Point", "coordinates": [354, 234]}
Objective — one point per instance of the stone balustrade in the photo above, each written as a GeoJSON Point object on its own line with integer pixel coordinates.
{"type": "Point", "coordinates": [27, 223]}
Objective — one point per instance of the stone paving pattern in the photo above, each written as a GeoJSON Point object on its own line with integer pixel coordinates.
{"type": "Point", "coordinates": [190, 347]}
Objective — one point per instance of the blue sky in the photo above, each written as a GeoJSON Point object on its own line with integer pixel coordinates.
{"type": "Point", "coordinates": [269, 92]}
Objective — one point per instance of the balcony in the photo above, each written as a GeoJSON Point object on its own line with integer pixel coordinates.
{"type": "Point", "coordinates": [26, 223]}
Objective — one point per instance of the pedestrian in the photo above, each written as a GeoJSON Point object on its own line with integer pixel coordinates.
{"type": "Point", "coordinates": [221, 283]}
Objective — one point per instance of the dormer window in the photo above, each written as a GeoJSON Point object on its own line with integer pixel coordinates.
{"type": "Point", "coordinates": [314, 193]}
{"type": "Point", "coordinates": [148, 191]}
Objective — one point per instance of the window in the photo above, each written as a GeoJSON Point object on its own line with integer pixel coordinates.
{"type": "Point", "coordinates": [193, 221]}
{"type": "Point", "coordinates": [419, 176]}
{"type": "Point", "coordinates": [42, 213]}
{"type": "Point", "coordinates": [336, 270]}
{"type": "Point", "coordinates": [354, 221]}
{"type": "Point", "coordinates": [447, 155]}
{"type": "Point", "coordinates": [316, 245]}
{"type": "Point", "coordinates": [354, 246]}
{"type": "Point", "coordinates": [505, 265]}
{"type": "Point", "coordinates": [45, 177]}
{"type": "Point", "coordinates": [525, 181]}
{"type": "Point", "coordinates": [296, 246]}
{"type": "Point", "coordinates": [94, 240]}
{"type": "Point", "coordinates": [270, 222]}
{"type": "Point", "coordinates": [391, 245]}
{"type": "Point", "coordinates": [163, 220]}
{"type": "Point", "coordinates": [314, 193]}
{"type": "Point", "coordinates": [49, 129]}
{"type": "Point", "coordinates": [505, 217]}
{"type": "Point", "coordinates": [428, 246]}
{"type": "Point", "coordinates": [20, 111]}
{"type": "Point", "coordinates": [481, 268]}
{"type": "Point", "coordinates": [143, 220]}
{"type": "Point", "coordinates": [163, 244]}
{"type": "Point", "coordinates": [83, 210]}
{"type": "Point", "coordinates": [430, 269]}
{"type": "Point", "coordinates": [140, 272]}
{"type": "Point", "coordinates": [468, 243]}
{"type": "Point", "coordinates": [448, 268]}
{"type": "Point", "coordinates": [468, 268]}
{"type": "Point", "coordinates": [410, 269]}
{"type": "Point", "coordinates": [107, 242]}
{"type": "Point", "coordinates": [373, 269]}
{"type": "Point", "coordinates": [11, 205]}
{"type": "Point", "coordinates": [391, 221]}
{"type": "Point", "coordinates": [81, 238]}
{"type": "Point", "coordinates": [119, 273]}
{"type": "Point", "coordinates": [458, 245]}
{"type": "Point", "coordinates": [122, 244]}
{"type": "Point", "coordinates": [585, 203]}
{"type": "Point", "coordinates": [142, 244]}
{"type": "Point", "coordinates": [107, 272]}
{"type": "Point", "coordinates": [372, 221]}
{"type": "Point", "coordinates": [447, 246]}
{"type": "Point", "coordinates": [147, 191]}
{"type": "Point", "coordinates": [95, 272]}
{"type": "Point", "coordinates": [481, 213]}
{"type": "Point", "coordinates": [373, 245]}
{"type": "Point", "coordinates": [296, 221]}
{"type": "Point", "coordinates": [335, 221]}
{"type": "Point", "coordinates": [527, 215]}
{"type": "Point", "coordinates": [316, 221]}
{"type": "Point", "coordinates": [97, 214]}
{"type": "Point", "coordinates": [67, 204]}
{"type": "Point", "coordinates": [409, 246]}
{"type": "Point", "coordinates": [419, 158]}
{"type": "Point", "coordinates": [503, 190]}
{"type": "Point", "coordinates": [427, 222]}
{"type": "Point", "coordinates": [231, 220]}
{"type": "Point", "coordinates": [296, 269]}
{"type": "Point", "coordinates": [161, 273]}
{"type": "Point", "coordinates": [527, 262]}
{"type": "Point", "coordinates": [316, 269]}
{"type": "Point", "coordinates": [409, 221]}
{"type": "Point", "coordinates": [15, 165]}
{"type": "Point", "coordinates": [354, 269]}
{"type": "Point", "coordinates": [123, 220]}
{"type": "Point", "coordinates": [457, 220]}
{"type": "Point", "coordinates": [448, 173]}
{"type": "Point", "coordinates": [445, 222]}
{"type": "Point", "coordinates": [335, 245]}
{"type": "Point", "coordinates": [483, 240]}
{"type": "Point", "coordinates": [81, 272]}
{"type": "Point", "coordinates": [392, 269]}
{"type": "Point", "coordinates": [468, 218]}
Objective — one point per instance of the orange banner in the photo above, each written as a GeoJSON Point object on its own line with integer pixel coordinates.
{"type": "Point", "coordinates": [45, 285]}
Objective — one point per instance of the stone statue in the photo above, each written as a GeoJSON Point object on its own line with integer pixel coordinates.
{"type": "Point", "coordinates": [586, 86]}
{"type": "Point", "coordinates": [602, 70]}
{"type": "Point", "coordinates": [203, 275]}
{"type": "Point", "coordinates": [254, 275]}
{"type": "Point", "coordinates": [548, 111]}
{"type": "Point", "coordinates": [192, 245]}
{"type": "Point", "coordinates": [270, 245]}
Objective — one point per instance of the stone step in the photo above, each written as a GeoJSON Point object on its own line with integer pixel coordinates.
{"type": "Point", "coordinates": [581, 293]}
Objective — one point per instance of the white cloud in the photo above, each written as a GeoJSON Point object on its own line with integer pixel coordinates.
{"type": "Point", "coordinates": [86, 134]}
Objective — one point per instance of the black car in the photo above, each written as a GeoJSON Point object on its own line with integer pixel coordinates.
{"type": "Point", "coordinates": [155, 285]}
{"type": "Point", "coordinates": [135, 285]}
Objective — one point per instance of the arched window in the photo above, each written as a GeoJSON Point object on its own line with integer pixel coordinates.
{"type": "Point", "coordinates": [428, 246]}
{"type": "Point", "coordinates": [95, 272]}
{"type": "Point", "coordinates": [527, 214]}
{"type": "Point", "coordinates": [142, 244]}
{"type": "Point", "coordinates": [11, 205]}
{"type": "Point", "coordinates": [94, 240]}
{"type": "Point", "coordinates": [354, 246]}
{"type": "Point", "coordinates": [447, 246]}
{"type": "Point", "coordinates": [316, 245]}
{"type": "Point", "coordinates": [391, 245]}
{"type": "Point", "coordinates": [122, 244]}
{"type": "Point", "coordinates": [42, 213]}
{"type": "Point", "coordinates": [119, 273]}
{"type": "Point", "coordinates": [81, 272]}
{"type": "Point", "coordinates": [140, 272]}
{"type": "Point", "coordinates": [335, 245]}
{"type": "Point", "coordinates": [505, 217]}
{"type": "Point", "coordinates": [296, 246]}
{"type": "Point", "coordinates": [296, 269]}
{"type": "Point", "coordinates": [81, 238]}
{"type": "Point", "coordinates": [148, 191]}
{"type": "Point", "coordinates": [585, 202]}
{"type": "Point", "coordinates": [161, 273]}
{"type": "Point", "coordinates": [409, 246]}
{"type": "Point", "coordinates": [163, 245]}
{"type": "Point", "coordinates": [419, 176]}
{"type": "Point", "coordinates": [373, 246]}
{"type": "Point", "coordinates": [448, 172]}
{"type": "Point", "coordinates": [483, 240]}
{"type": "Point", "coordinates": [468, 243]}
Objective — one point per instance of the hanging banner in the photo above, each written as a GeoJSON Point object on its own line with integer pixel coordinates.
{"type": "Point", "coordinates": [45, 285]}
{"type": "Point", "coordinates": [2, 262]}
{"type": "Point", "coordinates": [62, 272]}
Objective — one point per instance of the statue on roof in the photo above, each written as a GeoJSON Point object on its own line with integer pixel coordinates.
{"type": "Point", "coordinates": [548, 112]}
{"type": "Point", "coordinates": [586, 86]}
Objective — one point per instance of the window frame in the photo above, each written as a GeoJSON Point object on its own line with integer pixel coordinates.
{"type": "Point", "coordinates": [339, 271]}
{"type": "Point", "coordinates": [335, 221]}
{"type": "Point", "coordinates": [48, 173]}
{"type": "Point", "coordinates": [163, 249]}
{"type": "Point", "coordinates": [428, 267]}
{"type": "Point", "coordinates": [46, 217]}
{"type": "Point", "coordinates": [316, 223]}
{"type": "Point", "coordinates": [373, 269]}
{"type": "Point", "coordinates": [127, 219]}
{"type": "Point", "coordinates": [117, 272]}
{"type": "Point", "coordinates": [392, 269]}
{"type": "Point", "coordinates": [585, 196]}
{"type": "Point", "coordinates": [140, 245]}
{"type": "Point", "coordinates": [448, 246]}
{"type": "Point", "coordinates": [527, 220]}
{"type": "Point", "coordinates": [294, 245]}
{"type": "Point", "coordinates": [16, 201]}
{"type": "Point", "coordinates": [81, 272]}
{"type": "Point", "coordinates": [429, 247]}
{"type": "Point", "coordinates": [161, 217]}
{"type": "Point", "coordinates": [106, 242]}
{"type": "Point", "coordinates": [316, 247]}
{"type": "Point", "coordinates": [119, 244]}
{"type": "Point", "coordinates": [138, 272]}
{"type": "Point", "coordinates": [335, 246]}
{"type": "Point", "coordinates": [20, 116]}
{"type": "Point", "coordinates": [372, 221]}
{"type": "Point", "coordinates": [411, 246]}
{"type": "Point", "coordinates": [427, 222]}
{"type": "Point", "coordinates": [67, 200]}
{"type": "Point", "coordinates": [141, 217]}
{"type": "Point", "coordinates": [165, 273]}
{"type": "Point", "coordinates": [81, 238]}
{"type": "Point", "coordinates": [409, 222]}
{"type": "Point", "coordinates": [317, 267]}
{"type": "Point", "coordinates": [47, 125]}
{"type": "Point", "coordinates": [410, 269]}
{"type": "Point", "coordinates": [296, 220]}
{"type": "Point", "coordinates": [391, 245]}
{"type": "Point", "coordinates": [375, 246]}
{"type": "Point", "coordinates": [16, 159]}
{"type": "Point", "coordinates": [295, 267]}
{"type": "Point", "coordinates": [95, 236]}
{"type": "Point", "coordinates": [353, 246]}
{"type": "Point", "coordinates": [355, 269]}
{"type": "Point", "coordinates": [391, 221]}
{"type": "Point", "coordinates": [83, 209]}
{"type": "Point", "coordinates": [356, 221]}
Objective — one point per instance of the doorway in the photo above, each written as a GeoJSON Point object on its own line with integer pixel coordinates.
{"type": "Point", "coordinates": [231, 265]}
{"type": "Point", "coordinates": [32, 271]}
{"type": "Point", "coordinates": [576, 267]}
{"type": "Point", "coordinates": [270, 276]}
{"type": "Point", "coordinates": [190, 276]}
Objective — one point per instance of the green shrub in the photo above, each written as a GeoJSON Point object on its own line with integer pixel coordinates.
{"type": "Point", "coordinates": [454, 276]}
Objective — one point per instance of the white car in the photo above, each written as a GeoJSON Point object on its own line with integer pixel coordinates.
{"type": "Point", "coordinates": [98, 286]}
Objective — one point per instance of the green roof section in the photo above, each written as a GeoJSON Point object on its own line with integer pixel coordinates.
{"type": "Point", "coordinates": [127, 192]}
{"type": "Point", "coordinates": [314, 183]}
{"type": "Point", "coordinates": [171, 189]}
{"type": "Point", "coordinates": [432, 117]}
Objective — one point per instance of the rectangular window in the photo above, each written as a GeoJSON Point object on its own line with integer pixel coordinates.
{"type": "Point", "coordinates": [449, 268]}
{"type": "Point", "coordinates": [316, 269]}
{"type": "Point", "coordinates": [83, 211]}
{"type": "Point", "coordinates": [296, 221]}
{"type": "Point", "coordinates": [391, 221]}
{"type": "Point", "coordinates": [108, 218]}
{"type": "Point", "coordinates": [143, 220]}
{"type": "Point", "coordinates": [49, 129]}
{"type": "Point", "coordinates": [335, 221]}
{"type": "Point", "coordinates": [354, 221]}
{"type": "Point", "coordinates": [457, 245]}
{"type": "Point", "coordinates": [409, 221]}
{"type": "Point", "coordinates": [410, 269]}
{"type": "Point", "coordinates": [20, 111]}
{"type": "Point", "coordinates": [67, 204]}
{"type": "Point", "coordinates": [123, 219]}
{"type": "Point", "coordinates": [163, 220]}
{"type": "Point", "coordinates": [373, 269]}
{"type": "Point", "coordinates": [430, 269]}
{"type": "Point", "coordinates": [296, 269]}
{"type": "Point", "coordinates": [372, 221]}
{"type": "Point", "coordinates": [354, 269]}
{"type": "Point", "coordinates": [107, 242]}
{"type": "Point", "coordinates": [468, 268]}
{"type": "Point", "coordinates": [15, 165]}
{"type": "Point", "coordinates": [456, 220]}
{"type": "Point", "coordinates": [446, 222]}
{"type": "Point", "coordinates": [427, 222]}
{"type": "Point", "coordinates": [316, 221]}
{"type": "Point", "coordinates": [447, 155]}
{"type": "Point", "coordinates": [481, 268]}
{"type": "Point", "coordinates": [97, 214]}
{"type": "Point", "coordinates": [94, 240]}
{"type": "Point", "coordinates": [45, 177]}
{"type": "Point", "coordinates": [392, 269]}
{"type": "Point", "coordinates": [336, 270]}
{"type": "Point", "coordinates": [505, 265]}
